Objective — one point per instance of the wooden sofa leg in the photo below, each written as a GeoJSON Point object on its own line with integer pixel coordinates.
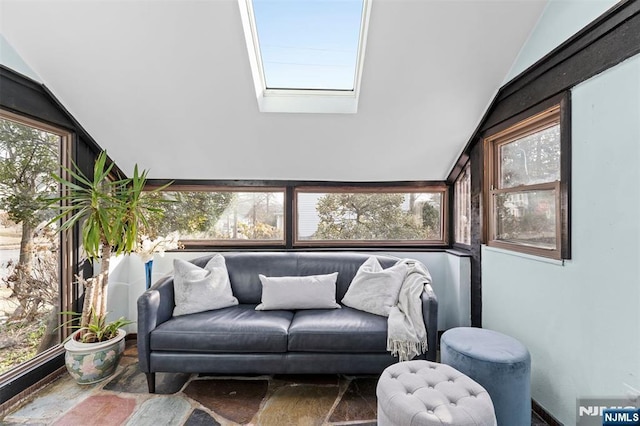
{"type": "Point", "coordinates": [151, 382]}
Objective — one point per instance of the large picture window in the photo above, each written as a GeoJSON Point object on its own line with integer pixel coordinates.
{"type": "Point", "coordinates": [33, 286]}
{"type": "Point", "coordinates": [222, 216]}
{"type": "Point", "coordinates": [380, 216]}
{"type": "Point", "coordinates": [527, 187]}
{"type": "Point", "coordinates": [299, 215]}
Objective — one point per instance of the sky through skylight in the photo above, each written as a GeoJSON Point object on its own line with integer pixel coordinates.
{"type": "Point", "coordinates": [308, 44]}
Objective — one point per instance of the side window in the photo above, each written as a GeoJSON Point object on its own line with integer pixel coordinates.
{"type": "Point", "coordinates": [526, 186]}
{"type": "Point", "coordinates": [462, 206]}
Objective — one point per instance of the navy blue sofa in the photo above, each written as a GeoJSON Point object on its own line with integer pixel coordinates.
{"type": "Point", "coordinates": [241, 340]}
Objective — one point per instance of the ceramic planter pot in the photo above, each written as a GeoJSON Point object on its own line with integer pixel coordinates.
{"type": "Point", "coordinates": [93, 362]}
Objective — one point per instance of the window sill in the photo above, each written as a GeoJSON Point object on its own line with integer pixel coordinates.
{"type": "Point", "coordinates": [524, 255]}
{"type": "Point", "coordinates": [459, 252]}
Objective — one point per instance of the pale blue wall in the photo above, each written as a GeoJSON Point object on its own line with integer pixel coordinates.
{"type": "Point", "coordinates": [559, 21]}
{"type": "Point", "coordinates": [581, 321]}
{"type": "Point", "coordinates": [10, 58]}
{"type": "Point", "coordinates": [450, 273]}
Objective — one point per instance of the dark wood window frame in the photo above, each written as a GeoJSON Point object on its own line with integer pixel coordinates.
{"type": "Point", "coordinates": [441, 189]}
{"type": "Point", "coordinates": [457, 208]}
{"type": "Point", "coordinates": [552, 112]}
{"type": "Point", "coordinates": [66, 300]}
{"type": "Point", "coordinates": [204, 243]}
{"type": "Point", "coordinates": [290, 188]}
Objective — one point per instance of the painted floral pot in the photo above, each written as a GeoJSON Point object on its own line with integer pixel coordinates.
{"type": "Point", "coordinates": [93, 362]}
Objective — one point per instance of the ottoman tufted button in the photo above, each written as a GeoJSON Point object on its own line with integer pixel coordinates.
{"type": "Point", "coordinates": [397, 408]}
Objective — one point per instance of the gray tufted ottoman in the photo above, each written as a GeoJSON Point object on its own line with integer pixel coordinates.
{"type": "Point", "coordinates": [427, 393]}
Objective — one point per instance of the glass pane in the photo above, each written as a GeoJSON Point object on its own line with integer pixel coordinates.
{"type": "Point", "coordinates": [200, 215]}
{"type": "Point", "coordinates": [463, 207]}
{"type": "Point", "coordinates": [527, 218]}
{"type": "Point", "coordinates": [309, 44]}
{"type": "Point", "coordinates": [532, 159]}
{"type": "Point", "coordinates": [355, 216]}
{"type": "Point", "coordinates": [29, 249]}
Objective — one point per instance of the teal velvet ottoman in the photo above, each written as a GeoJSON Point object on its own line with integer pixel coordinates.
{"type": "Point", "coordinates": [499, 363]}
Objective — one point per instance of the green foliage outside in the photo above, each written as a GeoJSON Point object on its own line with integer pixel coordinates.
{"type": "Point", "coordinates": [376, 216]}
{"type": "Point", "coordinates": [23, 341]}
{"type": "Point", "coordinates": [189, 213]}
{"type": "Point", "coordinates": [28, 156]}
{"type": "Point", "coordinates": [531, 159]}
{"type": "Point", "coordinates": [529, 217]}
{"type": "Point", "coordinates": [217, 215]}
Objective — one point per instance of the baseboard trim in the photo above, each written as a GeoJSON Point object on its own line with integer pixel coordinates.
{"type": "Point", "coordinates": [544, 414]}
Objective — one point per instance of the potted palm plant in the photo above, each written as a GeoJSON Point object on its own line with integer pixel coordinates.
{"type": "Point", "coordinates": [111, 212]}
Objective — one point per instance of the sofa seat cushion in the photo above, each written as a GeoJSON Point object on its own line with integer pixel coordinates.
{"type": "Point", "coordinates": [237, 328]}
{"type": "Point", "coordinates": [343, 330]}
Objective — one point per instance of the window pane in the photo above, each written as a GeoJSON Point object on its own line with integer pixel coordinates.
{"type": "Point", "coordinates": [366, 216]}
{"type": "Point", "coordinates": [309, 44]}
{"type": "Point", "coordinates": [527, 217]}
{"type": "Point", "coordinates": [463, 207]}
{"type": "Point", "coordinates": [29, 249]}
{"type": "Point", "coordinates": [532, 159]}
{"type": "Point", "coordinates": [224, 215]}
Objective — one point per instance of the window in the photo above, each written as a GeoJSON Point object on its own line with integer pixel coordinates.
{"type": "Point", "coordinates": [306, 56]}
{"type": "Point", "coordinates": [35, 275]}
{"type": "Point", "coordinates": [462, 200]}
{"type": "Point", "coordinates": [297, 49]}
{"type": "Point", "coordinates": [527, 186]}
{"type": "Point", "coordinates": [383, 216]}
{"type": "Point", "coordinates": [296, 214]}
{"type": "Point", "coordinates": [222, 216]}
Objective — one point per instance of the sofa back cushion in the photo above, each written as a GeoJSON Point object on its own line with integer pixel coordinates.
{"type": "Point", "coordinates": [244, 268]}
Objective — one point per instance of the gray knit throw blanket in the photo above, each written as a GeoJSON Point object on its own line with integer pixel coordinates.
{"type": "Point", "coordinates": [406, 334]}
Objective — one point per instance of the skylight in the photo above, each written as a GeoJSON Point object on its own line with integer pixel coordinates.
{"type": "Point", "coordinates": [308, 44]}
{"type": "Point", "coordinates": [306, 55]}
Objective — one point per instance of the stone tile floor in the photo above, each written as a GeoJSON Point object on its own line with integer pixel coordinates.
{"type": "Point", "coordinates": [193, 400]}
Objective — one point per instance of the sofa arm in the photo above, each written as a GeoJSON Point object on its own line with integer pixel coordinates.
{"type": "Point", "coordinates": [430, 315]}
{"type": "Point", "coordinates": [155, 306]}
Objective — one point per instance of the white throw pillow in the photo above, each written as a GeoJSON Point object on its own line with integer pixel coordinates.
{"type": "Point", "coordinates": [375, 290]}
{"type": "Point", "coordinates": [199, 289]}
{"type": "Point", "coordinates": [310, 292]}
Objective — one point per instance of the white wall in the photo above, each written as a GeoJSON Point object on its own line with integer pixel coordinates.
{"type": "Point", "coordinates": [581, 321]}
{"type": "Point", "coordinates": [559, 21]}
{"type": "Point", "coordinates": [450, 273]}
{"type": "Point", "coordinates": [10, 58]}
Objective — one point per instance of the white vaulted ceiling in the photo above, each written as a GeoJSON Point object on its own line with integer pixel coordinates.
{"type": "Point", "coordinates": [167, 84]}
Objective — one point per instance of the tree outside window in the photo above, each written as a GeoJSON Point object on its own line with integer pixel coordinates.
{"type": "Point", "coordinates": [384, 217]}
{"type": "Point", "coordinates": [225, 216]}
{"type": "Point", "coordinates": [29, 249]}
{"type": "Point", "coordinates": [526, 186]}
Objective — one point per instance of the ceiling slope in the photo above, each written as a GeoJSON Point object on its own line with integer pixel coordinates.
{"type": "Point", "coordinates": [167, 85]}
